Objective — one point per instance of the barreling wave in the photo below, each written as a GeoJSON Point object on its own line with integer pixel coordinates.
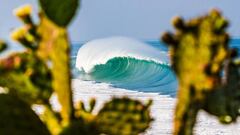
{"type": "Point", "coordinates": [127, 63]}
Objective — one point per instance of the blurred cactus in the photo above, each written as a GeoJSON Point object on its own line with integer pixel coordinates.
{"type": "Point", "coordinates": [17, 118]}
{"type": "Point", "coordinates": [199, 51]}
{"type": "Point", "coordinates": [44, 68]}
{"type": "Point", "coordinates": [123, 116]}
{"type": "Point", "coordinates": [25, 38]}
{"type": "Point", "coordinates": [60, 12]}
{"type": "Point", "coordinates": [120, 116]}
{"type": "Point", "coordinates": [30, 76]}
{"type": "Point", "coordinates": [24, 14]}
{"type": "Point", "coordinates": [54, 46]}
{"type": "Point", "coordinates": [224, 102]}
{"type": "Point", "coordinates": [3, 46]}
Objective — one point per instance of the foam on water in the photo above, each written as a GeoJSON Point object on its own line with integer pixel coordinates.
{"type": "Point", "coordinates": [163, 106]}
{"type": "Point", "coordinates": [162, 109]}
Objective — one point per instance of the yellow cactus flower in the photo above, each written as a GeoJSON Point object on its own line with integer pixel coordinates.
{"type": "Point", "coordinates": [19, 34]}
{"type": "Point", "coordinates": [23, 11]}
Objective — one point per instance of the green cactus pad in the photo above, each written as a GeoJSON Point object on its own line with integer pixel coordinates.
{"type": "Point", "coordinates": [55, 47]}
{"type": "Point", "coordinates": [123, 116]}
{"type": "Point", "coordinates": [79, 127]}
{"type": "Point", "coordinates": [17, 118]}
{"type": "Point", "coordinates": [198, 49]}
{"type": "Point", "coordinates": [30, 76]}
{"type": "Point", "coordinates": [3, 46]}
{"type": "Point", "coordinates": [225, 101]}
{"type": "Point", "coordinates": [60, 12]}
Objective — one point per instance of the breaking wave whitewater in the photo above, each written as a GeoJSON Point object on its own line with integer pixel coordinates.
{"type": "Point", "coordinates": [126, 63]}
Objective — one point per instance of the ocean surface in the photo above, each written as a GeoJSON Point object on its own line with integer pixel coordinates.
{"type": "Point", "coordinates": [125, 63]}
{"type": "Point", "coordinates": [120, 66]}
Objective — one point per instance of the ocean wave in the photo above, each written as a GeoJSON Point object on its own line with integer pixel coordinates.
{"type": "Point", "coordinates": [127, 63]}
{"type": "Point", "coordinates": [101, 50]}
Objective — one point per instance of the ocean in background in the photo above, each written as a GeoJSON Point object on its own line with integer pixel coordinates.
{"type": "Point", "coordinates": [131, 78]}
{"type": "Point", "coordinates": [131, 73]}
{"type": "Point", "coordinates": [136, 69]}
{"type": "Point", "coordinates": [125, 63]}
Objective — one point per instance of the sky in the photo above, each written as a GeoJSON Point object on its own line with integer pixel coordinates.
{"type": "Point", "coordinates": [141, 19]}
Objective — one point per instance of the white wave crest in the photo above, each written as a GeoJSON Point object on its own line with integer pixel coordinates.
{"type": "Point", "coordinates": [99, 51]}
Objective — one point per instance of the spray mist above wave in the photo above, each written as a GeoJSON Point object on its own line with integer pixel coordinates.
{"type": "Point", "coordinates": [127, 63]}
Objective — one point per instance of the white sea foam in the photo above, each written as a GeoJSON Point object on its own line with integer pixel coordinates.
{"type": "Point", "coordinates": [101, 50]}
{"type": "Point", "coordinates": [161, 110]}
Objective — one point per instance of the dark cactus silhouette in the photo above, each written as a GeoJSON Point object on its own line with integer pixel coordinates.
{"type": "Point", "coordinates": [31, 77]}
{"type": "Point", "coordinates": [199, 53]}
{"type": "Point", "coordinates": [3, 45]}
{"type": "Point", "coordinates": [17, 118]}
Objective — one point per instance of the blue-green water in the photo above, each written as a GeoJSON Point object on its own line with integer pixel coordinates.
{"type": "Point", "coordinates": [129, 72]}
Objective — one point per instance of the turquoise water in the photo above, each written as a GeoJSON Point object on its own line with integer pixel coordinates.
{"type": "Point", "coordinates": [133, 73]}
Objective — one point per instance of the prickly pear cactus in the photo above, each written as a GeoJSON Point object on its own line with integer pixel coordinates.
{"type": "Point", "coordinates": [224, 102]}
{"type": "Point", "coordinates": [3, 46]}
{"type": "Point", "coordinates": [120, 116]}
{"type": "Point", "coordinates": [17, 118]}
{"type": "Point", "coordinates": [60, 12]}
{"type": "Point", "coordinates": [80, 127]}
{"type": "Point", "coordinates": [55, 46]}
{"type": "Point", "coordinates": [198, 50]}
{"type": "Point", "coordinates": [30, 76]}
{"type": "Point", "coordinates": [43, 68]}
{"type": "Point", "coordinates": [123, 116]}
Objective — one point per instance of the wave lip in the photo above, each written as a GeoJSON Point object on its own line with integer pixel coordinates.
{"type": "Point", "coordinates": [127, 63]}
